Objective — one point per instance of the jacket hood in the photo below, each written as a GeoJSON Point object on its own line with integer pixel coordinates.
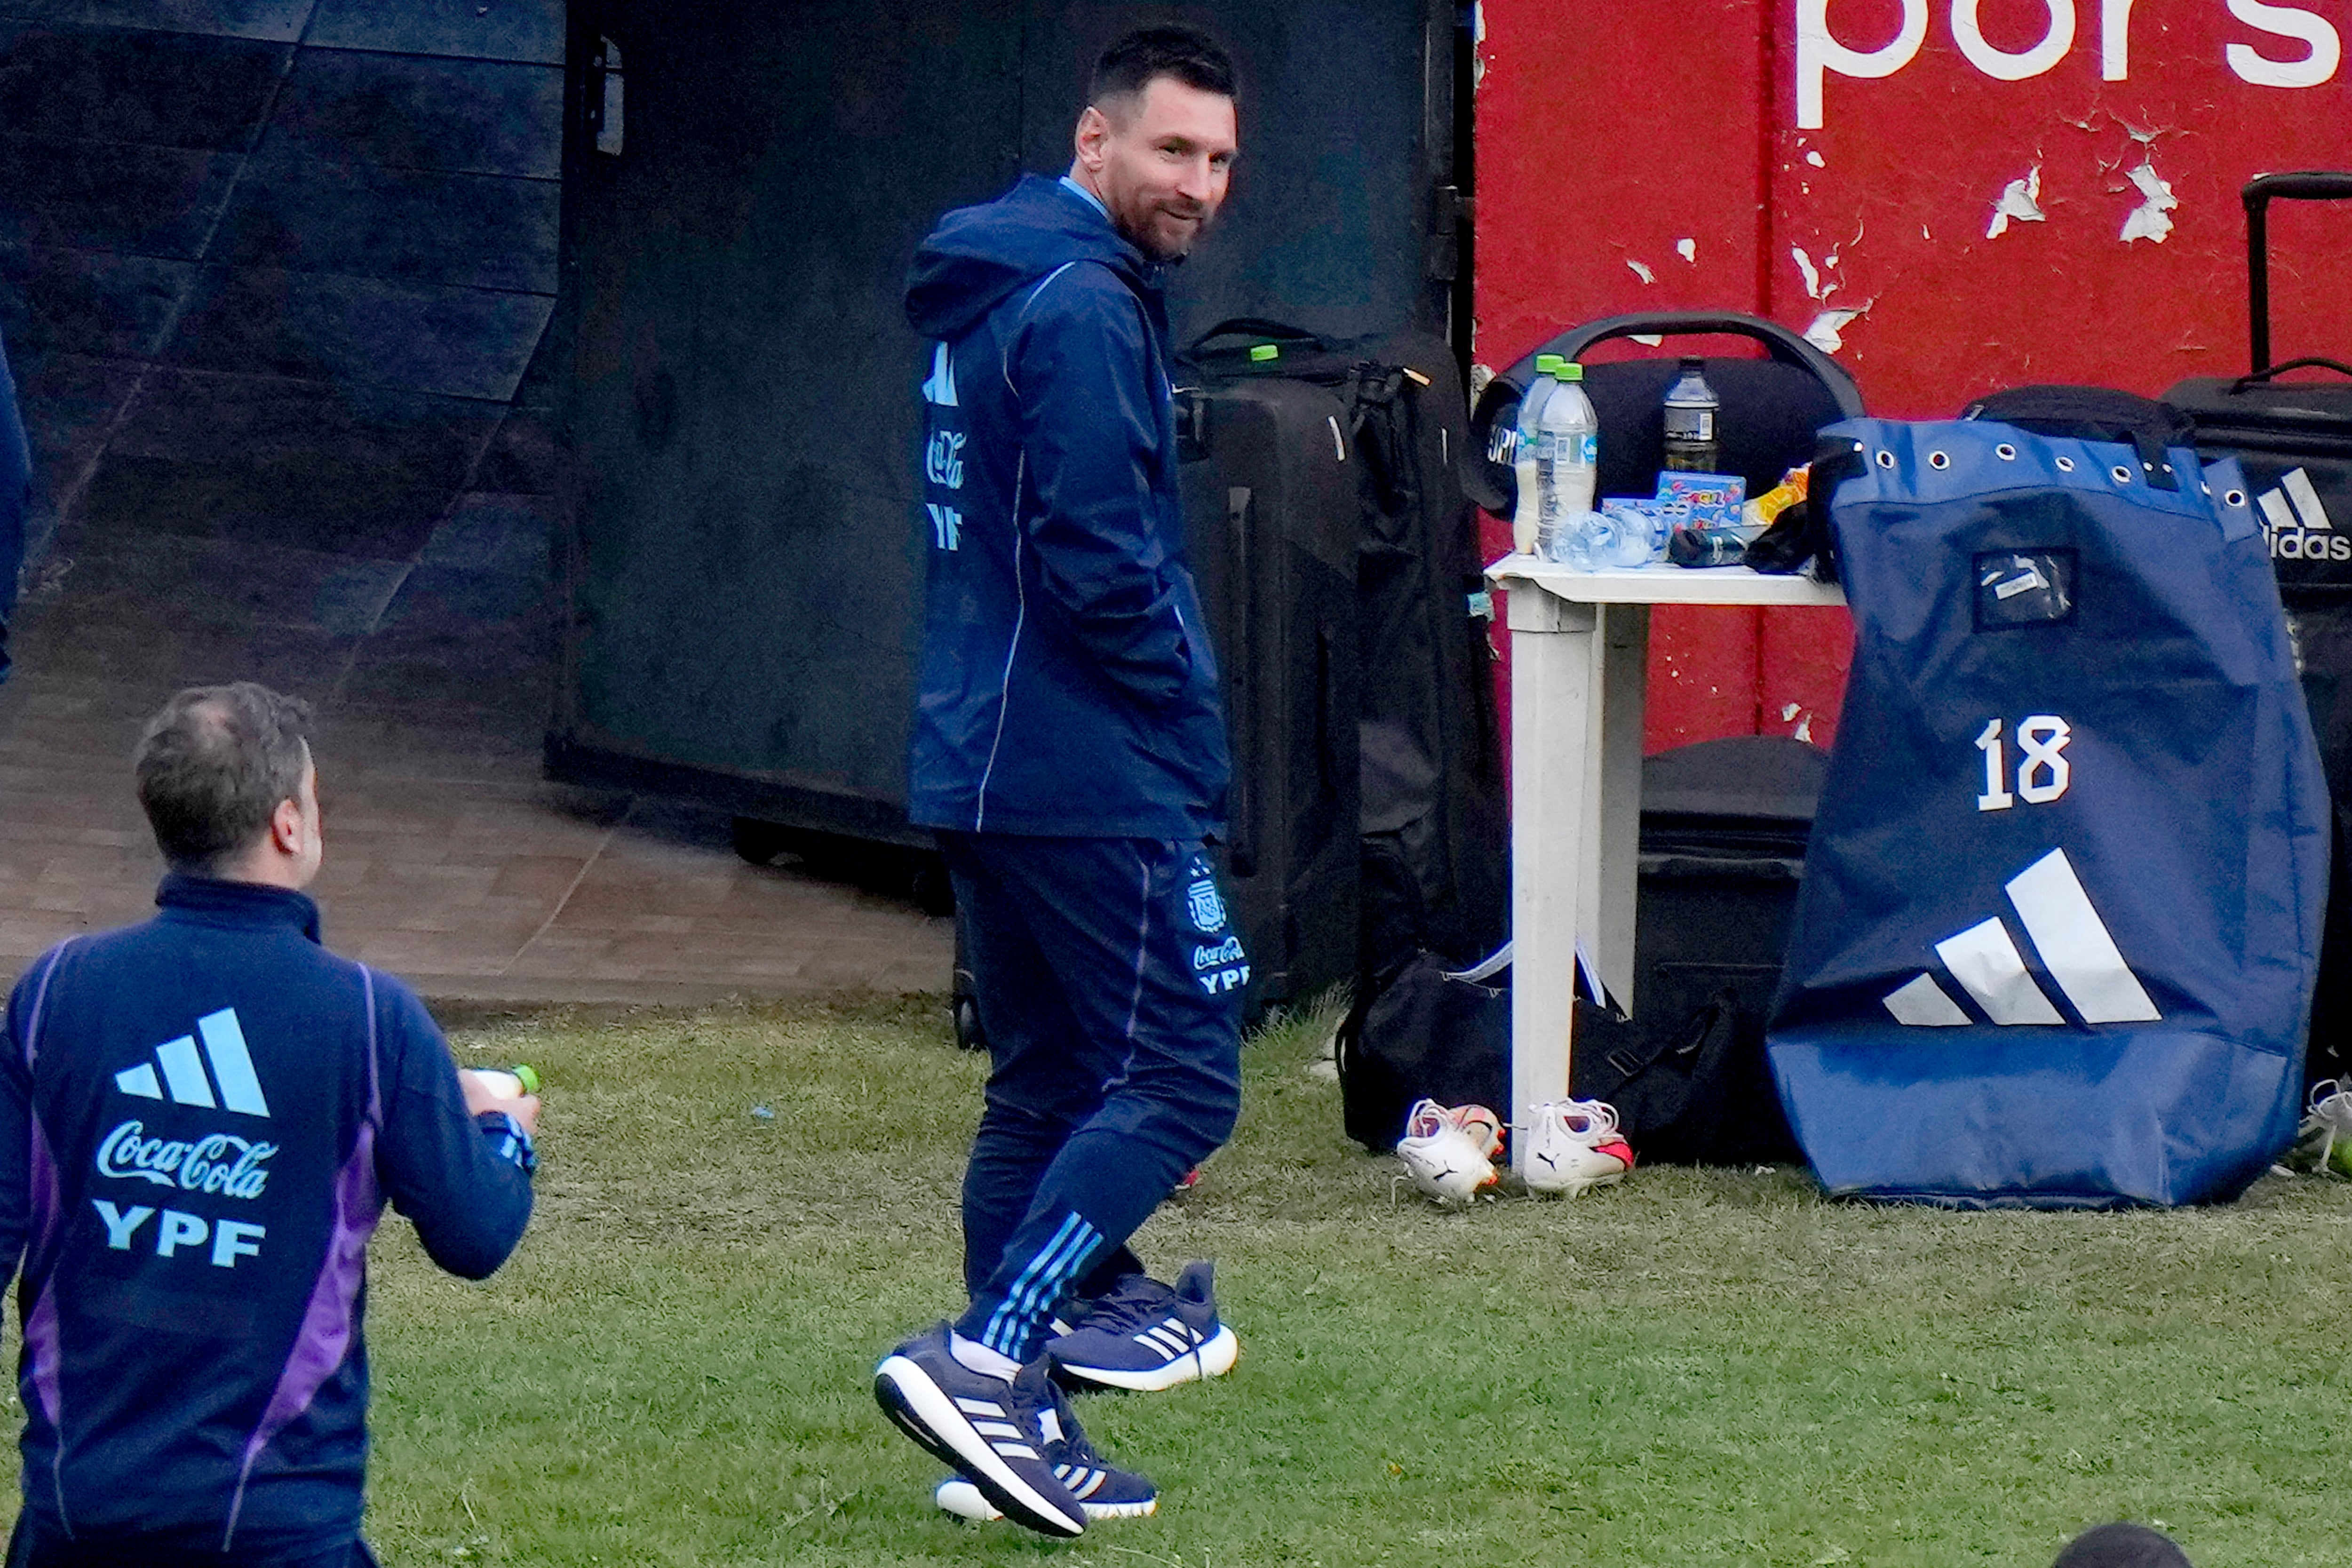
{"type": "Point", "coordinates": [979, 254]}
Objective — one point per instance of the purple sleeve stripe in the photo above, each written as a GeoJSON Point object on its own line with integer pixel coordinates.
{"type": "Point", "coordinates": [44, 1346]}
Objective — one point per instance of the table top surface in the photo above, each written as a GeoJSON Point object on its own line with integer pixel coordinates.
{"type": "Point", "coordinates": [1660, 584]}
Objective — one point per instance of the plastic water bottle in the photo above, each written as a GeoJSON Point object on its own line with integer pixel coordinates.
{"type": "Point", "coordinates": [522, 1080]}
{"type": "Point", "coordinates": [1527, 517]}
{"type": "Point", "coordinates": [1569, 444]}
{"type": "Point", "coordinates": [1693, 416]}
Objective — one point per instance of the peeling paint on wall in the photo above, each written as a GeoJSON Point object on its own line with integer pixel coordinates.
{"type": "Point", "coordinates": [2021, 200]}
{"type": "Point", "coordinates": [1688, 249]}
{"type": "Point", "coordinates": [2151, 219]}
{"type": "Point", "coordinates": [1817, 161]}
{"type": "Point", "coordinates": [1812, 273]}
{"type": "Point", "coordinates": [1643, 273]}
{"type": "Point", "coordinates": [1826, 332]}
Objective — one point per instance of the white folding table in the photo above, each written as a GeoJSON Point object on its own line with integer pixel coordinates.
{"type": "Point", "coordinates": [1579, 651]}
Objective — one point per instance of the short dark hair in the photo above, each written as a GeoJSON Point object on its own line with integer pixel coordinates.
{"type": "Point", "coordinates": [1188, 54]}
{"type": "Point", "coordinates": [214, 763]}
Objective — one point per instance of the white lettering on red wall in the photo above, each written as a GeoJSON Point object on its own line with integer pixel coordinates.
{"type": "Point", "coordinates": [2296, 47]}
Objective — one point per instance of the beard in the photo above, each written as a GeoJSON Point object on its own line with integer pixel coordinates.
{"type": "Point", "coordinates": [1162, 232]}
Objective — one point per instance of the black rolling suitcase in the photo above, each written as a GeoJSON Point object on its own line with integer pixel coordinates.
{"type": "Point", "coordinates": [2294, 438]}
{"type": "Point", "coordinates": [1270, 507]}
{"type": "Point", "coordinates": [1419, 698]}
{"type": "Point", "coordinates": [1436, 832]}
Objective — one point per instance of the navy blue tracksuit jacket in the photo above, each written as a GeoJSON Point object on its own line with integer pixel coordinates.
{"type": "Point", "coordinates": [200, 1119]}
{"type": "Point", "coordinates": [1067, 685]}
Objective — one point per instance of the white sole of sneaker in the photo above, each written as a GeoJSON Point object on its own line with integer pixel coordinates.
{"type": "Point", "coordinates": [964, 1500]}
{"type": "Point", "coordinates": [1572, 1186]}
{"type": "Point", "coordinates": [926, 1412]}
{"type": "Point", "coordinates": [1213, 1359]}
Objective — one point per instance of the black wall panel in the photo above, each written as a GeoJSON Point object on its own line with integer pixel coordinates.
{"type": "Point", "coordinates": [740, 382]}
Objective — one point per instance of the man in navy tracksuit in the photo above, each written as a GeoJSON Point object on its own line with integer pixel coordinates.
{"type": "Point", "coordinates": [1069, 749]}
{"type": "Point", "coordinates": [200, 1119]}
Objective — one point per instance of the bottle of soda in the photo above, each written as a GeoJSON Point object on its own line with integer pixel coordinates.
{"type": "Point", "coordinates": [1568, 439]}
{"type": "Point", "coordinates": [1527, 516]}
{"type": "Point", "coordinates": [1693, 414]}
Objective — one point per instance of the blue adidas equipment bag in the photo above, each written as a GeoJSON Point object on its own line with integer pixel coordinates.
{"type": "Point", "coordinates": [2061, 912]}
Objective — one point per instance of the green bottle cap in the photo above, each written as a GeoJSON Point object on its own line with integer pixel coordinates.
{"type": "Point", "coordinates": [1571, 370]}
{"type": "Point", "coordinates": [1549, 364]}
{"type": "Point", "coordinates": [1264, 351]}
{"type": "Point", "coordinates": [529, 1075]}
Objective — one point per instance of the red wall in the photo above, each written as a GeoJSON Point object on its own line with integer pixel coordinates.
{"type": "Point", "coordinates": [1610, 130]}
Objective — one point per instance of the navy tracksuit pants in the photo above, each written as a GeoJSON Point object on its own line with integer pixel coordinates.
{"type": "Point", "coordinates": [1109, 986]}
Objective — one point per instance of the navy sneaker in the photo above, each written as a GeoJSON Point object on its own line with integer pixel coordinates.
{"type": "Point", "coordinates": [1148, 1336]}
{"type": "Point", "coordinates": [991, 1430]}
{"type": "Point", "coordinates": [1103, 1491]}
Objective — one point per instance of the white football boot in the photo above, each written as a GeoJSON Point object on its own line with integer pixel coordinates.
{"type": "Point", "coordinates": [1575, 1144]}
{"type": "Point", "coordinates": [1449, 1151]}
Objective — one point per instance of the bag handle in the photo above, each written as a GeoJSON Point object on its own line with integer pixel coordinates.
{"type": "Point", "coordinates": [2306, 185]}
{"type": "Point", "coordinates": [2309, 361]}
{"type": "Point", "coordinates": [1256, 327]}
{"type": "Point", "coordinates": [1488, 481]}
{"type": "Point", "coordinates": [1779, 341]}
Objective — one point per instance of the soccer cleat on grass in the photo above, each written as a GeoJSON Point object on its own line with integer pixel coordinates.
{"type": "Point", "coordinates": [2327, 1125]}
{"type": "Point", "coordinates": [1574, 1145]}
{"type": "Point", "coordinates": [1449, 1151]}
{"type": "Point", "coordinates": [1148, 1336]}
{"type": "Point", "coordinates": [994, 1432]}
{"type": "Point", "coordinates": [1103, 1491]}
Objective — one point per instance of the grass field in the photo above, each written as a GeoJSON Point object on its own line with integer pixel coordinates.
{"type": "Point", "coordinates": [1697, 1367]}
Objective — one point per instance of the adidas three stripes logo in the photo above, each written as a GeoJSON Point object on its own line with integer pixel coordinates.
{"type": "Point", "coordinates": [183, 1080]}
{"type": "Point", "coordinates": [2076, 949]}
{"type": "Point", "coordinates": [990, 1420]}
{"type": "Point", "coordinates": [1173, 1338]}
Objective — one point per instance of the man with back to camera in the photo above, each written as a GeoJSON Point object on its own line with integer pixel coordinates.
{"type": "Point", "coordinates": [1069, 748]}
{"type": "Point", "coordinates": [201, 1118]}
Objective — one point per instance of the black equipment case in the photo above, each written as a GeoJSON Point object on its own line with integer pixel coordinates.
{"type": "Point", "coordinates": [1270, 504]}
{"type": "Point", "coordinates": [2294, 438]}
{"type": "Point", "coordinates": [1336, 556]}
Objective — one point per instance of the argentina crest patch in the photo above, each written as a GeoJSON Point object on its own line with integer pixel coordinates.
{"type": "Point", "coordinates": [1203, 901]}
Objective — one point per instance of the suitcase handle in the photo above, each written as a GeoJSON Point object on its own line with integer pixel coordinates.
{"type": "Point", "coordinates": [1256, 327]}
{"type": "Point", "coordinates": [2308, 362]}
{"type": "Point", "coordinates": [2304, 185]}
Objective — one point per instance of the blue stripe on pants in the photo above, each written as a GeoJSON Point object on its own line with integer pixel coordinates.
{"type": "Point", "coordinates": [1109, 988]}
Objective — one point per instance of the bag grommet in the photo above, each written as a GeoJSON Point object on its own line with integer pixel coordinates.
{"type": "Point", "coordinates": [2005, 452]}
{"type": "Point", "coordinates": [1886, 459]}
{"type": "Point", "coordinates": [2065, 465]}
{"type": "Point", "coordinates": [1940, 460]}
{"type": "Point", "coordinates": [2234, 498]}
{"type": "Point", "coordinates": [2120, 474]}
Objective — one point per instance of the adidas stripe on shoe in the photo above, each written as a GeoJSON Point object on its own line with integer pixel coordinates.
{"type": "Point", "coordinates": [1102, 1489]}
{"type": "Point", "coordinates": [991, 1431]}
{"type": "Point", "coordinates": [1145, 1336]}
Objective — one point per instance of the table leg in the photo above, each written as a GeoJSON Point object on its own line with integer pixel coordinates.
{"type": "Point", "coordinates": [1613, 808]}
{"type": "Point", "coordinates": [1553, 720]}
